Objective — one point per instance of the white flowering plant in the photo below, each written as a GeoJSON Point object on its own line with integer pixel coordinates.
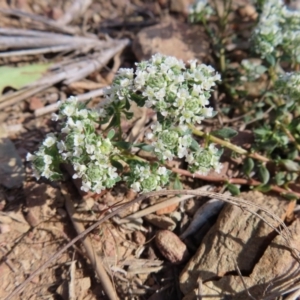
{"type": "Point", "coordinates": [180, 97]}
{"type": "Point", "coordinates": [257, 52]}
{"type": "Point", "coordinates": [277, 33]}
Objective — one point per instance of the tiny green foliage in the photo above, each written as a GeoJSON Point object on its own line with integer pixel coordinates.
{"type": "Point", "coordinates": [180, 97]}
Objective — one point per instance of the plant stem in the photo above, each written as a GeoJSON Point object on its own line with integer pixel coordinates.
{"type": "Point", "coordinates": [241, 181]}
{"type": "Point", "coordinates": [289, 134]}
{"type": "Point", "coordinates": [228, 145]}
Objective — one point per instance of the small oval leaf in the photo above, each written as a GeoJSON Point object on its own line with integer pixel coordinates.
{"type": "Point", "coordinates": [233, 189]}
{"type": "Point", "coordinates": [290, 196]}
{"type": "Point", "coordinates": [177, 185]}
{"type": "Point", "coordinates": [264, 188]}
{"type": "Point", "coordinates": [290, 165]}
{"type": "Point", "coordinates": [117, 165]}
{"type": "Point", "coordinates": [248, 166]}
{"type": "Point", "coordinates": [111, 134]}
{"type": "Point", "coordinates": [225, 133]}
{"type": "Point", "coordinates": [263, 174]}
{"type": "Point", "coordinates": [123, 145]}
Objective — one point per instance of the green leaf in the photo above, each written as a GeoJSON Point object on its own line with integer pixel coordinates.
{"type": "Point", "coordinates": [290, 165]}
{"type": "Point", "coordinates": [123, 145]}
{"type": "Point", "coordinates": [194, 145]}
{"type": "Point", "coordinates": [111, 134]}
{"type": "Point", "coordinates": [117, 165]}
{"type": "Point", "coordinates": [139, 100]}
{"type": "Point", "coordinates": [177, 185]}
{"type": "Point", "coordinates": [263, 174]}
{"type": "Point", "coordinates": [115, 121]}
{"type": "Point", "coordinates": [145, 147]}
{"type": "Point", "coordinates": [290, 196]}
{"type": "Point", "coordinates": [248, 166]}
{"type": "Point", "coordinates": [233, 189]}
{"type": "Point", "coordinates": [264, 188]}
{"type": "Point", "coordinates": [261, 69]}
{"type": "Point", "coordinates": [293, 154]}
{"type": "Point", "coordinates": [225, 133]}
{"type": "Point", "coordinates": [128, 114]}
{"type": "Point", "coordinates": [18, 77]}
{"type": "Point", "coordinates": [127, 104]}
{"type": "Point", "coordinates": [271, 59]}
{"type": "Point", "coordinates": [280, 178]}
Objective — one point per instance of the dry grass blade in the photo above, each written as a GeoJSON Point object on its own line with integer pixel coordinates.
{"type": "Point", "coordinates": [75, 70]}
{"type": "Point", "coordinates": [243, 204]}
{"type": "Point", "coordinates": [40, 19]}
{"type": "Point", "coordinates": [53, 107]}
{"type": "Point", "coordinates": [160, 205]}
{"type": "Point", "coordinates": [93, 257]}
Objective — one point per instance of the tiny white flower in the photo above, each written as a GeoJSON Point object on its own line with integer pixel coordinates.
{"type": "Point", "coordinates": [82, 113]}
{"type": "Point", "coordinates": [47, 173]}
{"type": "Point", "coordinates": [77, 151]}
{"type": "Point", "coordinates": [168, 155]}
{"type": "Point", "coordinates": [162, 171]}
{"type": "Point", "coordinates": [48, 159]}
{"type": "Point", "coordinates": [149, 135]}
{"type": "Point", "coordinates": [66, 155]}
{"type": "Point", "coordinates": [79, 139]}
{"type": "Point", "coordinates": [90, 149]}
{"type": "Point", "coordinates": [66, 129]}
{"type": "Point", "coordinates": [136, 186]}
{"type": "Point", "coordinates": [86, 186]}
{"type": "Point", "coordinates": [182, 152]}
{"type": "Point", "coordinates": [54, 117]}
{"type": "Point", "coordinates": [50, 140]}
{"type": "Point", "coordinates": [61, 146]}
{"type": "Point", "coordinates": [30, 157]}
{"type": "Point", "coordinates": [69, 110]}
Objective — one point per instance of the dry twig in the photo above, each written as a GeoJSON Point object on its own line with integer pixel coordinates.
{"type": "Point", "coordinates": [93, 257]}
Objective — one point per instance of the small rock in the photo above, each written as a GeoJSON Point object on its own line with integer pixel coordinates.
{"type": "Point", "coordinates": [162, 222]}
{"type": "Point", "coordinates": [236, 236]}
{"type": "Point", "coordinates": [139, 237]}
{"type": "Point", "coordinates": [35, 103]}
{"type": "Point", "coordinates": [31, 218]}
{"type": "Point", "coordinates": [171, 247]}
{"type": "Point", "coordinates": [172, 38]}
{"type": "Point", "coordinates": [12, 172]}
{"type": "Point", "coordinates": [167, 210]}
{"type": "Point", "coordinates": [180, 6]}
{"type": "Point", "coordinates": [248, 11]}
{"type": "Point", "coordinates": [4, 228]}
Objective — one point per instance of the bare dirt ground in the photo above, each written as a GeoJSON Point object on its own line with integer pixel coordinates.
{"type": "Point", "coordinates": [82, 44]}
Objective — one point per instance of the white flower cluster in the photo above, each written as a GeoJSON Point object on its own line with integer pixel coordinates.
{"type": "Point", "coordinates": [144, 178]}
{"type": "Point", "coordinates": [165, 84]}
{"type": "Point", "coordinates": [199, 11]}
{"type": "Point", "coordinates": [79, 145]}
{"type": "Point", "coordinates": [178, 94]}
{"type": "Point", "coordinates": [278, 29]}
{"type": "Point", "coordinates": [204, 160]}
{"type": "Point", "coordinates": [288, 85]}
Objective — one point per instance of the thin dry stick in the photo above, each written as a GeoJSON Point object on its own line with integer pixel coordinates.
{"type": "Point", "coordinates": [72, 295]}
{"type": "Point", "coordinates": [232, 200]}
{"type": "Point", "coordinates": [94, 259]}
{"type": "Point", "coordinates": [160, 205]}
{"type": "Point", "coordinates": [40, 19]}
{"type": "Point", "coordinates": [242, 181]}
{"type": "Point", "coordinates": [242, 279]}
{"type": "Point", "coordinates": [53, 107]}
